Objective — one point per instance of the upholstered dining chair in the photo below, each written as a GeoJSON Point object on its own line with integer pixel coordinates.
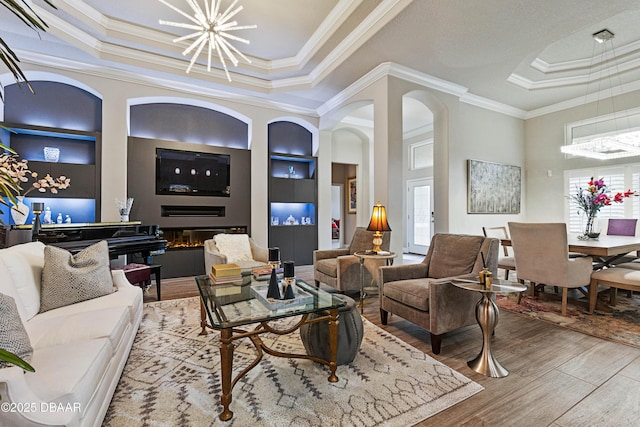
{"type": "Point", "coordinates": [621, 227]}
{"type": "Point", "coordinates": [340, 269]}
{"type": "Point", "coordinates": [542, 258]}
{"type": "Point", "coordinates": [423, 294]}
{"type": "Point", "coordinates": [506, 262]}
{"type": "Point", "coordinates": [234, 248]}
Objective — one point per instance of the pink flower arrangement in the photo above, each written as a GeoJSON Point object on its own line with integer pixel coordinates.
{"type": "Point", "coordinates": [592, 198]}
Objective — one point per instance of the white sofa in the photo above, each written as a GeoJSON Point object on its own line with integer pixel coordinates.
{"type": "Point", "coordinates": [79, 350]}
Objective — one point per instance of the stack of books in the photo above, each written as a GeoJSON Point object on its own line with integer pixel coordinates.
{"type": "Point", "coordinates": [225, 274]}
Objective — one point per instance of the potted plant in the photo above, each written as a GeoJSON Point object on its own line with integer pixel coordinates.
{"type": "Point", "coordinates": [8, 187]}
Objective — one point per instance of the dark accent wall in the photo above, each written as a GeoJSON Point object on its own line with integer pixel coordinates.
{"type": "Point", "coordinates": [290, 138]}
{"type": "Point", "coordinates": [54, 104]}
{"type": "Point", "coordinates": [177, 122]}
{"type": "Point", "coordinates": [199, 211]}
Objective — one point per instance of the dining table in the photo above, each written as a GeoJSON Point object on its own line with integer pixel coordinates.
{"type": "Point", "coordinates": [605, 249]}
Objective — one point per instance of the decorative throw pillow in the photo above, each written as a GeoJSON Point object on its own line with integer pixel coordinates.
{"type": "Point", "coordinates": [13, 336]}
{"type": "Point", "coordinates": [235, 247]}
{"type": "Point", "coordinates": [68, 279]}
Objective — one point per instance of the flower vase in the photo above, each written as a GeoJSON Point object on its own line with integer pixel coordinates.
{"type": "Point", "coordinates": [591, 231]}
{"type": "Point", "coordinates": [19, 211]}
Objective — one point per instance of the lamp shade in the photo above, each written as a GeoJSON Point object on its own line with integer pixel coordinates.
{"type": "Point", "coordinates": [379, 219]}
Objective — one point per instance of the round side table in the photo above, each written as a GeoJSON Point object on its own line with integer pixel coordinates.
{"type": "Point", "coordinates": [487, 314]}
{"type": "Point", "coordinates": [364, 255]}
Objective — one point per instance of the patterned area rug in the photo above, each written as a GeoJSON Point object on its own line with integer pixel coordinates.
{"type": "Point", "coordinates": [171, 379]}
{"type": "Point", "coordinates": [621, 324]}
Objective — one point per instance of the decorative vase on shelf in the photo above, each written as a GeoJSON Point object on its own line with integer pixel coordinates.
{"type": "Point", "coordinates": [124, 218]}
{"type": "Point", "coordinates": [20, 211]}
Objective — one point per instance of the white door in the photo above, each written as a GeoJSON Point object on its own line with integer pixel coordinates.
{"type": "Point", "coordinates": [420, 215]}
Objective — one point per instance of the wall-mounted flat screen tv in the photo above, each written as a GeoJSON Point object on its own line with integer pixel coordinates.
{"type": "Point", "coordinates": [191, 173]}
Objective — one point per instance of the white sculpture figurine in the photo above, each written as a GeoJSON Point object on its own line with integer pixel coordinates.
{"type": "Point", "coordinates": [47, 216]}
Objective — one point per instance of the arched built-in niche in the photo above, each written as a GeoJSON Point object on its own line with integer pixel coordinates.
{"type": "Point", "coordinates": [197, 124]}
{"type": "Point", "coordinates": [292, 191]}
{"type": "Point", "coordinates": [62, 118]}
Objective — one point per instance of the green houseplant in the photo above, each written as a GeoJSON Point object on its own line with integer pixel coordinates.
{"type": "Point", "coordinates": [8, 187]}
{"type": "Point", "coordinates": [23, 11]}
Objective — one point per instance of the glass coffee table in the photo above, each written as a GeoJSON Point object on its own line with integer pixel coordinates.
{"type": "Point", "coordinates": [237, 313]}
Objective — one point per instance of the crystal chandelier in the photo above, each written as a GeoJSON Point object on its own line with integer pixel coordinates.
{"type": "Point", "coordinates": [212, 29]}
{"type": "Point", "coordinates": [611, 141]}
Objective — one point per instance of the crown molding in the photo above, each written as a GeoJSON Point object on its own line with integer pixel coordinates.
{"type": "Point", "coordinates": [411, 75]}
{"type": "Point", "coordinates": [381, 15]}
{"type": "Point", "coordinates": [157, 82]}
{"type": "Point", "coordinates": [422, 79]}
{"type": "Point", "coordinates": [577, 102]}
{"type": "Point", "coordinates": [619, 54]}
{"type": "Point", "coordinates": [327, 28]}
{"type": "Point", "coordinates": [133, 33]}
{"type": "Point", "coordinates": [609, 72]}
{"type": "Point", "coordinates": [488, 104]}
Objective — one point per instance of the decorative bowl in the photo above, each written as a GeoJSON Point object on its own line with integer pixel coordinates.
{"type": "Point", "coordinates": [51, 154]}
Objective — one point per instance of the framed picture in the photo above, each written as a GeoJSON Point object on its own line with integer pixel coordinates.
{"type": "Point", "coordinates": [351, 195]}
{"type": "Point", "coordinates": [493, 188]}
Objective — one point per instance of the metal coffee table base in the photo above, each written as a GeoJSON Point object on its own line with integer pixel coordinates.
{"type": "Point", "coordinates": [228, 335]}
{"type": "Point", "coordinates": [487, 316]}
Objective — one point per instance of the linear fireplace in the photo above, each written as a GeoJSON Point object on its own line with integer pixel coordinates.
{"type": "Point", "coordinates": [179, 238]}
{"type": "Point", "coordinates": [184, 256]}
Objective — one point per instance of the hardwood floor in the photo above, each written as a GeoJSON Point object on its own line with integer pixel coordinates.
{"type": "Point", "coordinates": [558, 377]}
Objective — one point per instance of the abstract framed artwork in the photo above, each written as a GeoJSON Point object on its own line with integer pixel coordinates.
{"type": "Point", "coordinates": [493, 188]}
{"type": "Point", "coordinates": [351, 195]}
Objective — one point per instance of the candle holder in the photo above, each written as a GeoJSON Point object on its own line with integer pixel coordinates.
{"type": "Point", "coordinates": [289, 279]}
{"type": "Point", "coordinates": [37, 208]}
{"type": "Point", "coordinates": [274, 258]}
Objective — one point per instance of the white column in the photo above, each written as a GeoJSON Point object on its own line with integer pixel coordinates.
{"type": "Point", "coordinates": [259, 181]}
{"type": "Point", "coordinates": [114, 153]}
{"type": "Point", "coordinates": [387, 160]}
{"type": "Point", "coordinates": [323, 172]}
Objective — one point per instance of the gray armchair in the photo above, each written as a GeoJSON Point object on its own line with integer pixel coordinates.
{"type": "Point", "coordinates": [213, 255]}
{"type": "Point", "coordinates": [422, 294]}
{"type": "Point", "coordinates": [340, 269]}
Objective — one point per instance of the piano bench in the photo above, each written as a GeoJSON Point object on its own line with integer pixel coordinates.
{"type": "Point", "coordinates": [140, 275]}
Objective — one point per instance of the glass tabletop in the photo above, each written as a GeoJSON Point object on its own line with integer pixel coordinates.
{"type": "Point", "coordinates": [499, 286]}
{"type": "Point", "coordinates": [232, 305]}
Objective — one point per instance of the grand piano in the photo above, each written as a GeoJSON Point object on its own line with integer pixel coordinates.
{"type": "Point", "coordinates": [123, 238]}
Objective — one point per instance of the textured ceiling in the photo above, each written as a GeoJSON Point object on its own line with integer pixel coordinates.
{"type": "Point", "coordinates": [521, 53]}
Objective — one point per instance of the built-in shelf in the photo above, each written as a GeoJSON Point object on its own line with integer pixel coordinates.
{"type": "Point", "coordinates": [76, 156]}
{"type": "Point", "coordinates": [293, 206]}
